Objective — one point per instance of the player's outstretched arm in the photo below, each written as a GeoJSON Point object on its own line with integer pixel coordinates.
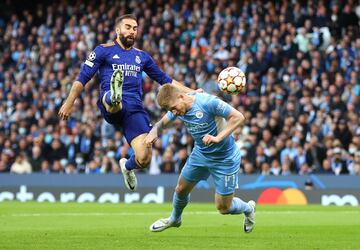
{"type": "Point", "coordinates": [154, 132]}
{"type": "Point", "coordinates": [75, 91]}
{"type": "Point", "coordinates": [234, 120]}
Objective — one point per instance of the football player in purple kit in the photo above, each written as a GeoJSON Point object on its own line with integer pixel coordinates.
{"type": "Point", "coordinates": [120, 66]}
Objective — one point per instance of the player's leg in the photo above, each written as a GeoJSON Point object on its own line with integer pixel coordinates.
{"type": "Point", "coordinates": [226, 203]}
{"type": "Point", "coordinates": [112, 98]}
{"type": "Point", "coordinates": [142, 153]}
{"type": "Point", "coordinates": [223, 203]}
{"type": "Point", "coordinates": [140, 159]}
{"type": "Point", "coordinates": [135, 127]}
{"type": "Point", "coordinates": [191, 174]}
{"type": "Point", "coordinates": [229, 204]}
{"type": "Point", "coordinates": [181, 198]}
{"type": "Point", "coordinates": [189, 177]}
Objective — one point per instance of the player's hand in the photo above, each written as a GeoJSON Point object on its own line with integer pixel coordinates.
{"type": "Point", "coordinates": [151, 137]}
{"type": "Point", "coordinates": [199, 90]}
{"type": "Point", "coordinates": [209, 139]}
{"type": "Point", "coordinates": [65, 110]}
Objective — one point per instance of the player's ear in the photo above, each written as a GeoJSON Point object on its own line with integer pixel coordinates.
{"type": "Point", "coordinates": [117, 30]}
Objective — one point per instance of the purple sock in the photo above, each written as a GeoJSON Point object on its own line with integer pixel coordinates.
{"type": "Point", "coordinates": [131, 163]}
{"type": "Point", "coordinates": [107, 98]}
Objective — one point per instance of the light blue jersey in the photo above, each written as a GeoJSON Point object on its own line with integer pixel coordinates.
{"type": "Point", "coordinates": [221, 160]}
{"type": "Point", "coordinates": [207, 116]}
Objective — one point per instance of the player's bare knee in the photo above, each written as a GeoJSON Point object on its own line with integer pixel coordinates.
{"type": "Point", "coordinates": [143, 161]}
{"type": "Point", "coordinates": [180, 190]}
{"type": "Point", "coordinates": [223, 209]}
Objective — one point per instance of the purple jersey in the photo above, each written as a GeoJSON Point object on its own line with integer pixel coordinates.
{"type": "Point", "coordinates": [106, 58]}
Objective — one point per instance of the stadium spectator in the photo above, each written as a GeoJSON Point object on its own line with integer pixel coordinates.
{"type": "Point", "coordinates": [21, 165]}
{"type": "Point", "coordinates": [326, 167]}
{"type": "Point", "coordinates": [338, 163]}
{"type": "Point", "coordinates": [36, 158]}
{"type": "Point", "coordinates": [167, 163]}
{"type": "Point", "coordinates": [285, 169]}
{"type": "Point", "coordinates": [248, 168]}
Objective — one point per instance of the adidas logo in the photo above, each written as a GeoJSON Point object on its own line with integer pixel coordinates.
{"type": "Point", "coordinates": [116, 56]}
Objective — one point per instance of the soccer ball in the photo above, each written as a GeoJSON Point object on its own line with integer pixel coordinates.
{"type": "Point", "coordinates": [231, 80]}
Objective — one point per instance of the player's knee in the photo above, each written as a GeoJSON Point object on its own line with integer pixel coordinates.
{"type": "Point", "coordinates": [143, 161]}
{"type": "Point", "coordinates": [222, 208]}
{"type": "Point", "coordinates": [180, 191]}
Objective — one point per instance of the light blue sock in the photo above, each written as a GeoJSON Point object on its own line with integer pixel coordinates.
{"type": "Point", "coordinates": [239, 206]}
{"type": "Point", "coordinates": [107, 98]}
{"type": "Point", "coordinates": [179, 203]}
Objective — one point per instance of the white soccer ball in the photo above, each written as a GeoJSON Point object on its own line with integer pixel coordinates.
{"type": "Point", "coordinates": [232, 80]}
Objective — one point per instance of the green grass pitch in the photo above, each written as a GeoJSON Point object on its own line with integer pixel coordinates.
{"type": "Point", "coordinates": [125, 226]}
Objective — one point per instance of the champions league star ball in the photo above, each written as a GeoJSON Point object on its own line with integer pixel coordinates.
{"type": "Point", "coordinates": [231, 80]}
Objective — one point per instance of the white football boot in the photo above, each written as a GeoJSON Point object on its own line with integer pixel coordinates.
{"type": "Point", "coordinates": [162, 224]}
{"type": "Point", "coordinates": [116, 84]}
{"type": "Point", "coordinates": [129, 176]}
{"type": "Point", "coordinates": [249, 220]}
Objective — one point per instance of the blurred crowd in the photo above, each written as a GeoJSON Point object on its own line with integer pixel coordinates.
{"type": "Point", "coordinates": [301, 58]}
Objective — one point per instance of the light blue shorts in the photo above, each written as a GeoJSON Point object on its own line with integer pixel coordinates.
{"type": "Point", "coordinates": [225, 175]}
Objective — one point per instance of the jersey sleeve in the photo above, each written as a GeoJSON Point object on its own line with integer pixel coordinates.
{"type": "Point", "coordinates": [154, 72]}
{"type": "Point", "coordinates": [218, 107]}
{"type": "Point", "coordinates": [91, 65]}
{"type": "Point", "coordinates": [171, 116]}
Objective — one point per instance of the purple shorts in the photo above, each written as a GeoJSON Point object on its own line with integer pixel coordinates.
{"type": "Point", "coordinates": [133, 120]}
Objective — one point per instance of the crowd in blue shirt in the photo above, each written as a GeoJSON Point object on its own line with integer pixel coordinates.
{"type": "Point", "coordinates": [301, 59]}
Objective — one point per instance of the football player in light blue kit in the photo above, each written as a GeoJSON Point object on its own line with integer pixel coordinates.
{"type": "Point", "coordinates": [210, 121]}
{"type": "Point", "coordinates": [120, 66]}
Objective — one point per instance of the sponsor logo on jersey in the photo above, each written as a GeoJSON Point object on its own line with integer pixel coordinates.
{"type": "Point", "coordinates": [128, 69]}
{"type": "Point", "coordinates": [196, 127]}
{"type": "Point", "coordinates": [116, 56]}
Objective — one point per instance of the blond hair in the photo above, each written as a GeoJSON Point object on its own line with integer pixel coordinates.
{"type": "Point", "coordinates": [168, 94]}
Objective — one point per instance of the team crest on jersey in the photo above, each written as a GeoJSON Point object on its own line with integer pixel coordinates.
{"type": "Point", "coordinates": [137, 60]}
{"type": "Point", "coordinates": [199, 114]}
{"type": "Point", "coordinates": [92, 56]}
